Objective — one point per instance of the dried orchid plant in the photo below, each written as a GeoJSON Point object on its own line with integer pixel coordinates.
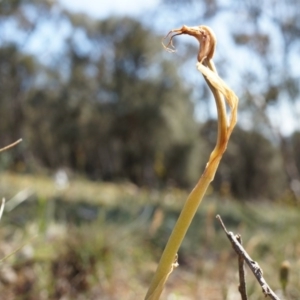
{"type": "Point", "coordinates": [222, 94]}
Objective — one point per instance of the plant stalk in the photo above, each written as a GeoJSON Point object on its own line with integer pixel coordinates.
{"type": "Point", "coordinates": [192, 203]}
{"type": "Point", "coordinates": [219, 89]}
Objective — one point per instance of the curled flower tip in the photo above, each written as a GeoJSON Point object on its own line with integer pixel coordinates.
{"type": "Point", "coordinates": [203, 34]}
{"type": "Point", "coordinates": [170, 46]}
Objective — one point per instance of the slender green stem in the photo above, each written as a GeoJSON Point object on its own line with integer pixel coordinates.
{"type": "Point", "coordinates": [191, 205]}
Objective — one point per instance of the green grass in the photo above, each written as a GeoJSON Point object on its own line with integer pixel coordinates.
{"type": "Point", "coordinates": [97, 240]}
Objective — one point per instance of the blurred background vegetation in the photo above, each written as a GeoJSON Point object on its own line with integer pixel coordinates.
{"type": "Point", "coordinates": [116, 132]}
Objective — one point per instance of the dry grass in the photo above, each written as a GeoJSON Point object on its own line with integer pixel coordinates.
{"type": "Point", "coordinates": [114, 254]}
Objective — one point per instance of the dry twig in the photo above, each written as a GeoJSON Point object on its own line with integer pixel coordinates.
{"type": "Point", "coordinates": [253, 265]}
{"type": "Point", "coordinates": [241, 262]}
{"type": "Point", "coordinates": [11, 145]}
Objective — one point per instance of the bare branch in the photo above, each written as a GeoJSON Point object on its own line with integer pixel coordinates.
{"type": "Point", "coordinates": [11, 145]}
{"type": "Point", "coordinates": [254, 267]}
{"type": "Point", "coordinates": [241, 262]}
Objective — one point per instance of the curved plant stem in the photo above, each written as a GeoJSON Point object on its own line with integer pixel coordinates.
{"type": "Point", "coordinates": [219, 89]}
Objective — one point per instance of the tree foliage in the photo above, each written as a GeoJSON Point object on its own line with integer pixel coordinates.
{"type": "Point", "coordinates": [114, 109]}
{"type": "Point", "coordinates": [104, 100]}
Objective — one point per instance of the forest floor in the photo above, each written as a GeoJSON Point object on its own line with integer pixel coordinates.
{"type": "Point", "coordinates": [78, 239]}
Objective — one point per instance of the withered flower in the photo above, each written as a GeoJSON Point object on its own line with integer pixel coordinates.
{"type": "Point", "coordinates": [203, 34]}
